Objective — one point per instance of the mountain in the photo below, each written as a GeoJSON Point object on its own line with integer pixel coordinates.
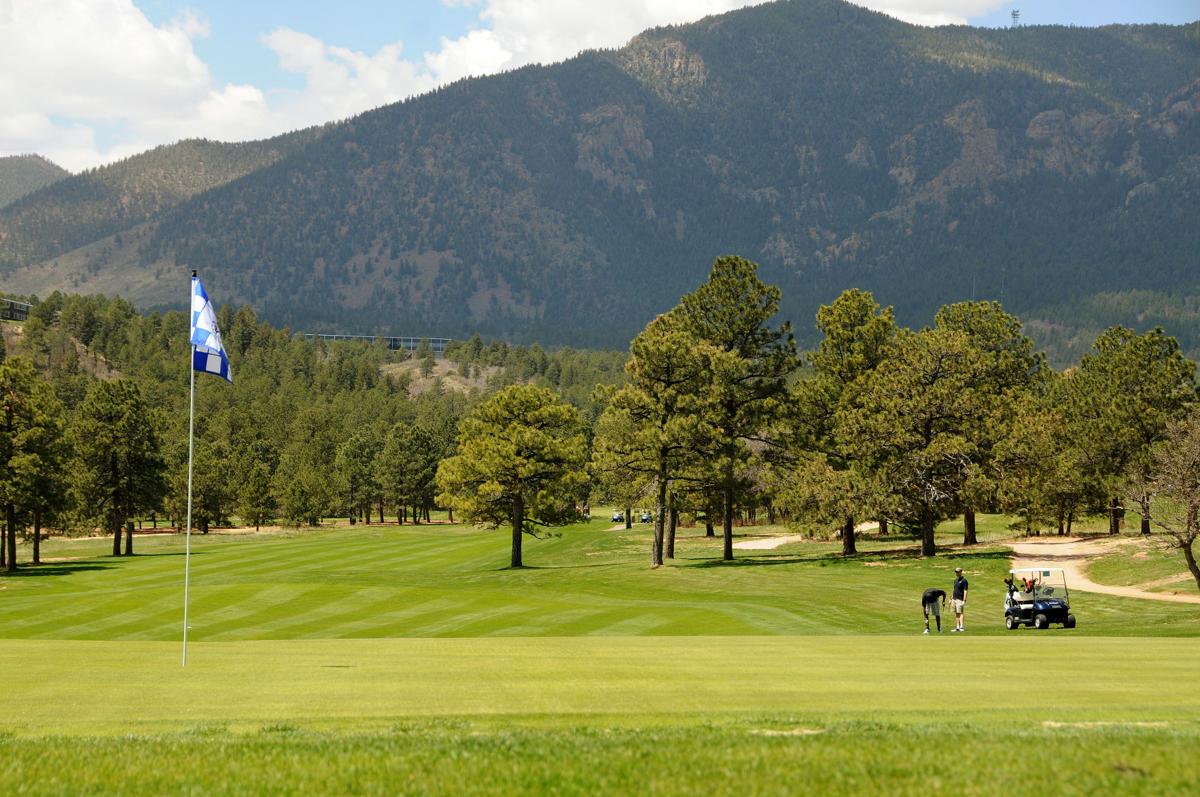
{"type": "Point", "coordinates": [24, 174]}
{"type": "Point", "coordinates": [95, 212]}
{"type": "Point", "coordinates": [1042, 166]}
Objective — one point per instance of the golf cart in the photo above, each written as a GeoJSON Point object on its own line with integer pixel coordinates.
{"type": "Point", "coordinates": [1037, 596]}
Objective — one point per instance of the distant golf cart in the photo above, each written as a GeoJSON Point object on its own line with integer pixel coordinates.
{"type": "Point", "coordinates": [1037, 596]}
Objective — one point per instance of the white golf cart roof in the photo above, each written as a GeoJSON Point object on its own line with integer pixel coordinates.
{"type": "Point", "coordinates": [1045, 571]}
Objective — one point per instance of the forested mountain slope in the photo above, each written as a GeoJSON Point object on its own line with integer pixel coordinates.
{"type": "Point", "coordinates": [87, 207]}
{"type": "Point", "coordinates": [24, 174]}
{"type": "Point", "coordinates": [1041, 166]}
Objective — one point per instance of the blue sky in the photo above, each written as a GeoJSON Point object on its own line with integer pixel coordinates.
{"type": "Point", "coordinates": [235, 53]}
{"type": "Point", "coordinates": [104, 79]}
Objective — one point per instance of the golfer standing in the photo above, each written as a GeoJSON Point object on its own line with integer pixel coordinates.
{"type": "Point", "coordinates": [929, 605]}
{"type": "Point", "coordinates": [959, 599]}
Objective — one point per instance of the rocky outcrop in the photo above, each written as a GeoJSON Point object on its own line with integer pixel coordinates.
{"type": "Point", "coordinates": [611, 145]}
{"type": "Point", "coordinates": [667, 68]}
{"type": "Point", "coordinates": [1069, 145]}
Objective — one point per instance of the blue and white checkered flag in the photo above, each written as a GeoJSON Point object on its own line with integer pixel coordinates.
{"type": "Point", "coordinates": [208, 355]}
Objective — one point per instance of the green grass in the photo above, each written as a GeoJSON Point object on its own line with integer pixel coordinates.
{"type": "Point", "coordinates": [1143, 566]}
{"type": "Point", "coordinates": [389, 660]}
{"type": "Point", "coordinates": [749, 715]}
{"type": "Point", "coordinates": [451, 581]}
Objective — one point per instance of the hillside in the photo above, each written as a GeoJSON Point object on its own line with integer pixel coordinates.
{"type": "Point", "coordinates": [1047, 167]}
{"type": "Point", "coordinates": [24, 174]}
{"type": "Point", "coordinates": [92, 206]}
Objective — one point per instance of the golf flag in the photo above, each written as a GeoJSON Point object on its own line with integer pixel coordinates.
{"type": "Point", "coordinates": [208, 355]}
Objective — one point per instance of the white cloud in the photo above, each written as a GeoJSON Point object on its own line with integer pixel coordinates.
{"type": "Point", "coordinates": [71, 67]}
{"type": "Point", "coordinates": [933, 12]}
{"type": "Point", "coordinates": [85, 82]}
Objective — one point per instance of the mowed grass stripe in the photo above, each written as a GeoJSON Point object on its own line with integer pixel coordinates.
{"type": "Point", "coordinates": [450, 581]}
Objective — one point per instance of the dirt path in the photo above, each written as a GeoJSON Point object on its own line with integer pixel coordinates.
{"type": "Point", "coordinates": [767, 543]}
{"type": "Point", "coordinates": [1072, 555]}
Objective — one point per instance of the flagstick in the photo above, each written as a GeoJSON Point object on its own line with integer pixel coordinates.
{"type": "Point", "coordinates": [187, 558]}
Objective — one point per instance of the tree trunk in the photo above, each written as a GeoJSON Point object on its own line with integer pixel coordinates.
{"type": "Point", "coordinates": [1061, 520]}
{"type": "Point", "coordinates": [129, 538]}
{"type": "Point", "coordinates": [969, 537]}
{"type": "Point", "coordinates": [673, 521]}
{"type": "Point", "coordinates": [10, 536]}
{"type": "Point", "coordinates": [381, 510]}
{"type": "Point", "coordinates": [116, 530]}
{"type": "Point", "coordinates": [709, 531]}
{"type": "Point", "coordinates": [883, 527]}
{"type": "Point", "coordinates": [629, 520]}
{"type": "Point", "coordinates": [1190, 557]}
{"type": "Point", "coordinates": [928, 546]}
{"type": "Point", "coordinates": [3, 547]}
{"type": "Point", "coordinates": [518, 524]}
{"type": "Point", "coordinates": [1145, 502]}
{"type": "Point", "coordinates": [1070, 520]}
{"type": "Point", "coordinates": [848, 546]}
{"type": "Point", "coordinates": [1114, 517]}
{"type": "Point", "coordinates": [727, 521]}
{"type": "Point", "coordinates": [660, 517]}
{"type": "Point", "coordinates": [37, 537]}
{"type": "Point", "coordinates": [771, 514]}
{"type": "Point", "coordinates": [450, 513]}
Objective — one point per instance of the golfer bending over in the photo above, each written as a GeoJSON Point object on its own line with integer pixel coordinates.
{"type": "Point", "coordinates": [929, 605]}
{"type": "Point", "coordinates": [959, 600]}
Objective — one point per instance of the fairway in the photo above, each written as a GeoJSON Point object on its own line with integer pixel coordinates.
{"type": "Point", "coordinates": [383, 659]}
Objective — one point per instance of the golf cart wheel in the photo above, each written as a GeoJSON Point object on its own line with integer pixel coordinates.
{"type": "Point", "coordinates": [1011, 623]}
{"type": "Point", "coordinates": [1040, 622]}
{"type": "Point", "coordinates": [1070, 623]}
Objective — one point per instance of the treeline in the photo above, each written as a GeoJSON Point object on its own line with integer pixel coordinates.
{"type": "Point", "coordinates": [716, 414]}
{"type": "Point", "coordinates": [95, 425]}
{"type": "Point", "coordinates": [721, 414]}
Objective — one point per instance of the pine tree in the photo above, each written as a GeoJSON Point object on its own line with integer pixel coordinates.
{"type": "Point", "coordinates": [749, 366]}
{"type": "Point", "coordinates": [118, 462]}
{"type": "Point", "coordinates": [520, 462]}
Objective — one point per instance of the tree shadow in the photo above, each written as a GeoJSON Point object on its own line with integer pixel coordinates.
{"type": "Point", "coordinates": [511, 569]}
{"type": "Point", "coordinates": [825, 559]}
{"type": "Point", "coordinates": [27, 570]}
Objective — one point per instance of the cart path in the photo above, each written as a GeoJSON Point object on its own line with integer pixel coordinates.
{"type": "Point", "coordinates": [1072, 556]}
{"type": "Point", "coordinates": [769, 543]}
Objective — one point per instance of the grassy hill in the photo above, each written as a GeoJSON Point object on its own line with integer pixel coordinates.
{"type": "Point", "coordinates": [24, 174]}
{"type": "Point", "coordinates": [385, 659]}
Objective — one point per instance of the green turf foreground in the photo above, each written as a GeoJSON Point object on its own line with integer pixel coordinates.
{"type": "Point", "coordinates": [651, 715]}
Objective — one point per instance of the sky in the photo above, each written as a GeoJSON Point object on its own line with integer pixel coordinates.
{"type": "Point", "coordinates": [88, 82]}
